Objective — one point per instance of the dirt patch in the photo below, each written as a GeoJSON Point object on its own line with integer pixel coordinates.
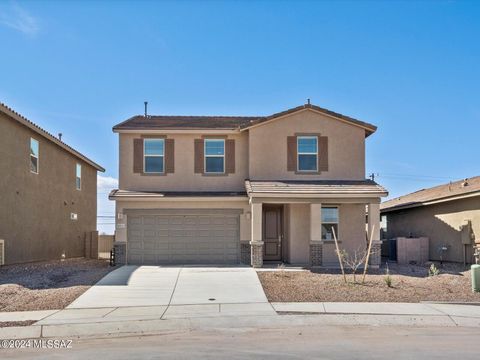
{"type": "Point", "coordinates": [410, 283]}
{"type": "Point", "coordinates": [48, 285]}
{"type": "Point", "coordinates": [16, 323]}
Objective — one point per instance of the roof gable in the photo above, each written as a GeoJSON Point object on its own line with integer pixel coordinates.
{"type": "Point", "coordinates": [369, 128]}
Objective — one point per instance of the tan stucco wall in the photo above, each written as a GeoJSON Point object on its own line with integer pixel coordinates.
{"type": "Point", "coordinates": [351, 232]}
{"type": "Point", "coordinates": [268, 147]}
{"type": "Point", "coordinates": [245, 221]}
{"type": "Point", "coordinates": [35, 208]}
{"type": "Point", "coordinates": [298, 233]}
{"type": "Point", "coordinates": [184, 178]}
{"type": "Point", "coordinates": [440, 223]}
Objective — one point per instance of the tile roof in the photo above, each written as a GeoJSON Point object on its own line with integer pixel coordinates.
{"type": "Point", "coordinates": [445, 192]}
{"type": "Point", "coordinates": [184, 122]}
{"type": "Point", "coordinates": [314, 188]}
{"type": "Point", "coordinates": [122, 194]}
{"type": "Point", "coordinates": [150, 122]}
{"type": "Point", "coordinates": [24, 121]}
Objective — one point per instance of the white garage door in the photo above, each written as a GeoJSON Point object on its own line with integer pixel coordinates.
{"type": "Point", "coordinates": [183, 238]}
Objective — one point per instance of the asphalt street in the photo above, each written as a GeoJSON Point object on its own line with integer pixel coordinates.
{"type": "Point", "coordinates": [296, 342]}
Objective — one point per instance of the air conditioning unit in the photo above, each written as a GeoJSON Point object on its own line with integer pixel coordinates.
{"type": "Point", "coordinates": [2, 252]}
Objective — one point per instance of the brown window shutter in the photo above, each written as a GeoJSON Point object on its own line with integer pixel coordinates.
{"type": "Point", "coordinates": [138, 156]}
{"type": "Point", "coordinates": [323, 153]}
{"type": "Point", "coordinates": [169, 156]}
{"type": "Point", "coordinates": [230, 156]}
{"type": "Point", "coordinates": [291, 153]}
{"type": "Point", "coordinates": [199, 156]}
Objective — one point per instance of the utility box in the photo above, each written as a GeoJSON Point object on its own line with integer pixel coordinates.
{"type": "Point", "coordinates": [412, 250]}
{"type": "Point", "coordinates": [475, 278]}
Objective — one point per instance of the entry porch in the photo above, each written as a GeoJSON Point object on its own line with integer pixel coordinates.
{"type": "Point", "coordinates": [294, 222]}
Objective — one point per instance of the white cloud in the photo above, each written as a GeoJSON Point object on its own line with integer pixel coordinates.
{"type": "Point", "coordinates": [17, 18]}
{"type": "Point", "coordinates": [105, 207]}
{"type": "Point", "coordinates": [106, 183]}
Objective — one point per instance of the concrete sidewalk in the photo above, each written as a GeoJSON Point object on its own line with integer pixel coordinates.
{"type": "Point", "coordinates": [97, 322]}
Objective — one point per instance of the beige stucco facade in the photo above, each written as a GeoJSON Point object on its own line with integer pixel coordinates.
{"type": "Point", "coordinates": [268, 144]}
{"type": "Point", "coordinates": [260, 154]}
{"type": "Point", "coordinates": [35, 209]}
{"type": "Point", "coordinates": [184, 178]}
{"type": "Point", "coordinates": [441, 224]}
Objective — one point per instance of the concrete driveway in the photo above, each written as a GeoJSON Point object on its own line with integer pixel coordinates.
{"type": "Point", "coordinates": [164, 286]}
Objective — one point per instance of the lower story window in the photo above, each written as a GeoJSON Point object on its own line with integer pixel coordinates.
{"type": "Point", "coordinates": [329, 222]}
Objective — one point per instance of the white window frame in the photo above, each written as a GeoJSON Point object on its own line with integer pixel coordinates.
{"type": "Point", "coordinates": [35, 156]}
{"type": "Point", "coordinates": [307, 153]}
{"type": "Point", "coordinates": [211, 156]}
{"type": "Point", "coordinates": [330, 222]}
{"type": "Point", "coordinates": [78, 185]}
{"type": "Point", "coordinates": [145, 156]}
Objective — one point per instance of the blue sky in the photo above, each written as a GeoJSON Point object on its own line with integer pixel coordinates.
{"type": "Point", "coordinates": [411, 68]}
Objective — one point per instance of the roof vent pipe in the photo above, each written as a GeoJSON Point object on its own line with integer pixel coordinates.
{"type": "Point", "coordinates": [60, 136]}
{"type": "Point", "coordinates": [146, 104]}
{"type": "Point", "coordinates": [308, 101]}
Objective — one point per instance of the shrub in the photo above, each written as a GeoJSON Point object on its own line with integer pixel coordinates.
{"type": "Point", "coordinates": [433, 270]}
{"type": "Point", "coordinates": [387, 278]}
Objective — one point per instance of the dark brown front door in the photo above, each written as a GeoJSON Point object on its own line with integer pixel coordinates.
{"type": "Point", "coordinates": [272, 233]}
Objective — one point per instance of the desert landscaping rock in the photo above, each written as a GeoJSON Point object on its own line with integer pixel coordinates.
{"type": "Point", "coordinates": [410, 283]}
{"type": "Point", "coordinates": [48, 285]}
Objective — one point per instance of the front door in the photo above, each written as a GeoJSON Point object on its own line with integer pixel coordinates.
{"type": "Point", "coordinates": [272, 233]}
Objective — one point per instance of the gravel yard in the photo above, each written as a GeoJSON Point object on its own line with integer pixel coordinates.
{"type": "Point", "coordinates": [48, 285]}
{"type": "Point", "coordinates": [410, 283]}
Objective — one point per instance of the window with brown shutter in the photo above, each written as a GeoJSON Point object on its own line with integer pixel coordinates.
{"type": "Point", "coordinates": [198, 156]}
{"type": "Point", "coordinates": [291, 153]}
{"type": "Point", "coordinates": [323, 153]}
{"type": "Point", "coordinates": [138, 156]}
{"type": "Point", "coordinates": [230, 156]}
{"type": "Point", "coordinates": [169, 156]}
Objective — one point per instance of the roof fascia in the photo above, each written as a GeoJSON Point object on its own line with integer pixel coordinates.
{"type": "Point", "coordinates": [368, 130]}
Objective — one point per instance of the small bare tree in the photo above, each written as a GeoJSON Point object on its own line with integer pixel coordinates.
{"type": "Point", "coordinates": [353, 261]}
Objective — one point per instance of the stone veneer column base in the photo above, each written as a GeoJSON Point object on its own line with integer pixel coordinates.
{"type": "Point", "coordinates": [256, 253]}
{"type": "Point", "coordinates": [120, 248]}
{"type": "Point", "coordinates": [376, 254]}
{"type": "Point", "coordinates": [316, 253]}
{"type": "Point", "coordinates": [245, 253]}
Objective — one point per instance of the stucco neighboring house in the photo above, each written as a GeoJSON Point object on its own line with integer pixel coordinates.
{"type": "Point", "coordinates": [234, 189]}
{"type": "Point", "coordinates": [449, 215]}
{"type": "Point", "coordinates": [48, 193]}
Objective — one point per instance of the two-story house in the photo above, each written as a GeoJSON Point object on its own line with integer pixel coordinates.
{"type": "Point", "coordinates": [48, 193]}
{"type": "Point", "coordinates": [234, 189]}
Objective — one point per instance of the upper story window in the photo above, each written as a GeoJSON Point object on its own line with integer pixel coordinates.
{"type": "Point", "coordinates": [214, 156]}
{"type": "Point", "coordinates": [330, 221]}
{"type": "Point", "coordinates": [78, 177]}
{"type": "Point", "coordinates": [154, 150]}
{"type": "Point", "coordinates": [307, 152]}
{"type": "Point", "coordinates": [34, 155]}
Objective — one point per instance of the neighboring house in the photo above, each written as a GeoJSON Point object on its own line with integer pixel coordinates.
{"type": "Point", "coordinates": [48, 193]}
{"type": "Point", "coordinates": [449, 215]}
{"type": "Point", "coordinates": [230, 189]}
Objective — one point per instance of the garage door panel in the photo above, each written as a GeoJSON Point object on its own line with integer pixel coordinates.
{"type": "Point", "coordinates": [183, 239]}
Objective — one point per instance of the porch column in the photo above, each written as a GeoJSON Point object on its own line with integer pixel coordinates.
{"type": "Point", "coordinates": [120, 239]}
{"type": "Point", "coordinates": [256, 242]}
{"type": "Point", "coordinates": [374, 232]}
{"type": "Point", "coordinates": [316, 245]}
